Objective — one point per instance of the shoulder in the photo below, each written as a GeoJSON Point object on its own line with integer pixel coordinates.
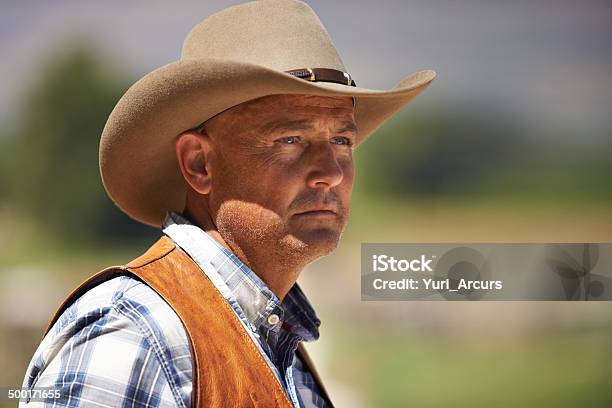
{"type": "Point", "coordinates": [122, 335]}
{"type": "Point", "coordinates": [128, 300]}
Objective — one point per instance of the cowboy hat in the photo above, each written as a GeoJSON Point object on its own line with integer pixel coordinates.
{"type": "Point", "coordinates": [241, 53]}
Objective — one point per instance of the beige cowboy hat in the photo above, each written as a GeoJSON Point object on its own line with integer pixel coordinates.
{"type": "Point", "coordinates": [241, 53]}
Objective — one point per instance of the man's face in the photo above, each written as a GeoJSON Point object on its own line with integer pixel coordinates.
{"type": "Point", "coordinates": [282, 173]}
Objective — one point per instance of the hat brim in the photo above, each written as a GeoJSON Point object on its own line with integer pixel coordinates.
{"type": "Point", "coordinates": [137, 158]}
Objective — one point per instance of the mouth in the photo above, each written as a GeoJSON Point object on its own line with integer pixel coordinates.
{"type": "Point", "coordinates": [328, 213]}
{"type": "Point", "coordinates": [319, 209]}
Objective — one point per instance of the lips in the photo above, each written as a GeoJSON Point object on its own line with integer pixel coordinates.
{"type": "Point", "coordinates": [323, 212]}
{"type": "Point", "coordinates": [321, 209]}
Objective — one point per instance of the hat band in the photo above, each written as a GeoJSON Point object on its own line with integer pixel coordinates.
{"type": "Point", "coordinates": [323, 75]}
{"type": "Point", "coordinates": [314, 75]}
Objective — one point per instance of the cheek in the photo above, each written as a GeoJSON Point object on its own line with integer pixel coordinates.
{"type": "Point", "coordinates": [348, 167]}
{"type": "Point", "coordinates": [253, 222]}
{"type": "Point", "coordinates": [251, 179]}
{"type": "Point", "coordinates": [276, 175]}
{"type": "Point", "coordinates": [348, 171]}
{"type": "Point", "coordinates": [345, 188]}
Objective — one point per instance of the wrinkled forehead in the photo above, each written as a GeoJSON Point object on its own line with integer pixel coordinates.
{"type": "Point", "coordinates": [297, 101]}
{"type": "Point", "coordinates": [284, 107]}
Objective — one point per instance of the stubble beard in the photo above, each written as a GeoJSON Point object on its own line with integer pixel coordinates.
{"type": "Point", "coordinates": [258, 233]}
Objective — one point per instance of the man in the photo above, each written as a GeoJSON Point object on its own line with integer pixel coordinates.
{"type": "Point", "coordinates": [242, 152]}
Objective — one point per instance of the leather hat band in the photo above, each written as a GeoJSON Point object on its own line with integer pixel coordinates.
{"type": "Point", "coordinates": [314, 75]}
{"type": "Point", "coordinates": [323, 75]}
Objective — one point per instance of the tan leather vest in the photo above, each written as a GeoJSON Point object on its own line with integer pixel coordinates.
{"type": "Point", "coordinates": [228, 368]}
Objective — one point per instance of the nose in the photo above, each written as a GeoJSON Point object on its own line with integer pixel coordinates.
{"type": "Point", "coordinates": [325, 171]}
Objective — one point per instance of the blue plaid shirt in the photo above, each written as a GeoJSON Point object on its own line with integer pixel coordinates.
{"type": "Point", "coordinates": [121, 344]}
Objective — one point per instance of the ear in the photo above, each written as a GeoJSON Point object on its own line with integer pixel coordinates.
{"type": "Point", "coordinates": [192, 152]}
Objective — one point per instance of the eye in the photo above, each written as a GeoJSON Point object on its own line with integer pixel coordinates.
{"type": "Point", "coordinates": [288, 140]}
{"type": "Point", "coordinates": [341, 140]}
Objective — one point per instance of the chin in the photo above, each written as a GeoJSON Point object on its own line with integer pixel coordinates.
{"type": "Point", "coordinates": [317, 242]}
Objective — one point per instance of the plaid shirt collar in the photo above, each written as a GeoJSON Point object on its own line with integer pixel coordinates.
{"type": "Point", "coordinates": [245, 287]}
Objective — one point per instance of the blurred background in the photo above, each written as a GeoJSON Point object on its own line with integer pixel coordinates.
{"type": "Point", "coordinates": [511, 143]}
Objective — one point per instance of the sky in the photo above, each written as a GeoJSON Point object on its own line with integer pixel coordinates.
{"type": "Point", "coordinates": [549, 61]}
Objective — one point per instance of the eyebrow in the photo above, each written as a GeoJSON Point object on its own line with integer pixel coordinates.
{"type": "Point", "coordinates": [348, 127]}
{"type": "Point", "coordinates": [302, 124]}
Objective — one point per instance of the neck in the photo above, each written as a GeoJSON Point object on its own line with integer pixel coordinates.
{"type": "Point", "coordinates": [276, 270]}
